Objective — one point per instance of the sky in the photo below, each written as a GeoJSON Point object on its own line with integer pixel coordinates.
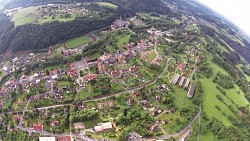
{"type": "Point", "coordinates": [238, 11]}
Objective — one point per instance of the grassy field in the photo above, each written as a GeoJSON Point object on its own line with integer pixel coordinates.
{"type": "Point", "coordinates": [151, 56]}
{"type": "Point", "coordinates": [95, 56]}
{"type": "Point", "coordinates": [208, 136]}
{"type": "Point", "coordinates": [210, 100]}
{"type": "Point", "coordinates": [107, 4]}
{"type": "Point", "coordinates": [78, 42]}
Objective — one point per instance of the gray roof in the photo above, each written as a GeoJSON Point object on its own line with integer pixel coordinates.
{"type": "Point", "coordinates": [187, 83]}
{"type": "Point", "coordinates": [182, 80]}
{"type": "Point", "coordinates": [191, 91]}
{"type": "Point", "coordinates": [175, 78]}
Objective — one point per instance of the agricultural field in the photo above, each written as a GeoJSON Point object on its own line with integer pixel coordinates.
{"type": "Point", "coordinates": [24, 15]}
{"type": "Point", "coordinates": [77, 42]}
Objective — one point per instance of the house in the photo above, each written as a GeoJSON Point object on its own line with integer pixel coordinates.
{"type": "Point", "coordinates": [158, 98]}
{"type": "Point", "coordinates": [111, 104]}
{"type": "Point", "coordinates": [137, 93]}
{"type": "Point", "coordinates": [56, 123]}
{"type": "Point", "coordinates": [191, 91]}
{"type": "Point", "coordinates": [145, 103]}
{"type": "Point", "coordinates": [186, 135]}
{"type": "Point", "coordinates": [155, 112]}
{"type": "Point", "coordinates": [115, 73]}
{"type": "Point", "coordinates": [101, 105]}
{"type": "Point", "coordinates": [103, 127]}
{"type": "Point", "coordinates": [154, 127]}
{"type": "Point", "coordinates": [38, 127]}
{"type": "Point", "coordinates": [133, 69]}
{"type": "Point", "coordinates": [47, 139]}
{"type": "Point", "coordinates": [16, 117]}
{"type": "Point", "coordinates": [89, 77]}
{"type": "Point", "coordinates": [182, 66]}
{"type": "Point", "coordinates": [138, 75]}
{"type": "Point", "coordinates": [124, 71]}
{"type": "Point", "coordinates": [64, 138]}
{"type": "Point", "coordinates": [130, 102]}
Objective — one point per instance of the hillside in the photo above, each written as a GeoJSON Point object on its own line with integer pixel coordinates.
{"type": "Point", "coordinates": [119, 69]}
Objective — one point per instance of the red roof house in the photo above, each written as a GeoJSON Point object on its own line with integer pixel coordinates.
{"type": "Point", "coordinates": [64, 138]}
{"type": "Point", "coordinates": [89, 77]}
{"type": "Point", "coordinates": [38, 127]}
{"type": "Point", "coordinates": [182, 66]}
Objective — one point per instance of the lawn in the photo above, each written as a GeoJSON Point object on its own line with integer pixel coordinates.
{"type": "Point", "coordinates": [50, 68]}
{"type": "Point", "coordinates": [78, 42]}
{"type": "Point", "coordinates": [95, 55]}
{"type": "Point", "coordinates": [151, 56]}
{"type": "Point", "coordinates": [107, 4]}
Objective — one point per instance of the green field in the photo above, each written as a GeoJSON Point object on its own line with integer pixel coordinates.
{"type": "Point", "coordinates": [78, 42]}
{"type": "Point", "coordinates": [210, 100]}
{"type": "Point", "coordinates": [151, 56]}
{"type": "Point", "coordinates": [107, 4]}
{"type": "Point", "coordinates": [95, 55]}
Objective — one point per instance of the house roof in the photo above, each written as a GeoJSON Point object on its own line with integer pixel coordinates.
{"type": "Point", "coordinates": [191, 91]}
{"type": "Point", "coordinates": [182, 66]}
{"type": "Point", "coordinates": [64, 138]}
{"type": "Point", "coordinates": [89, 77]}
{"type": "Point", "coordinates": [38, 127]}
{"type": "Point", "coordinates": [47, 139]}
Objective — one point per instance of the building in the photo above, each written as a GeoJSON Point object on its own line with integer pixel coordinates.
{"type": "Point", "coordinates": [38, 127]}
{"type": "Point", "coordinates": [182, 81]}
{"type": "Point", "coordinates": [182, 66]}
{"type": "Point", "coordinates": [103, 127]}
{"type": "Point", "coordinates": [175, 78]}
{"type": "Point", "coordinates": [65, 138]}
{"type": "Point", "coordinates": [191, 91]}
{"type": "Point", "coordinates": [87, 78]}
{"type": "Point", "coordinates": [47, 139]}
{"type": "Point", "coordinates": [186, 135]}
{"type": "Point", "coordinates": [187, 83]}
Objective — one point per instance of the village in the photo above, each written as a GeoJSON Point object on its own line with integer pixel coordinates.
{"type": "Point", "coordinates": [85, 99]}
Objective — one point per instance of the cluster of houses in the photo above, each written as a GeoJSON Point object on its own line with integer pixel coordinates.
{"type": "Point", "coordinates": [23, 59]}
{"type": "Point", "coordinates": [119, 23]}
{"type": "Point", "coordinates": [63, 9]}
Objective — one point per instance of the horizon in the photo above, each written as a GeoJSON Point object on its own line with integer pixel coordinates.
{"type": "Point", "coordinates": [236, 11]}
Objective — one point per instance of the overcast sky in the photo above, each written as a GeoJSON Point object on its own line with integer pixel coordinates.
{"type": "Point", "coordinates": [238, 11]}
